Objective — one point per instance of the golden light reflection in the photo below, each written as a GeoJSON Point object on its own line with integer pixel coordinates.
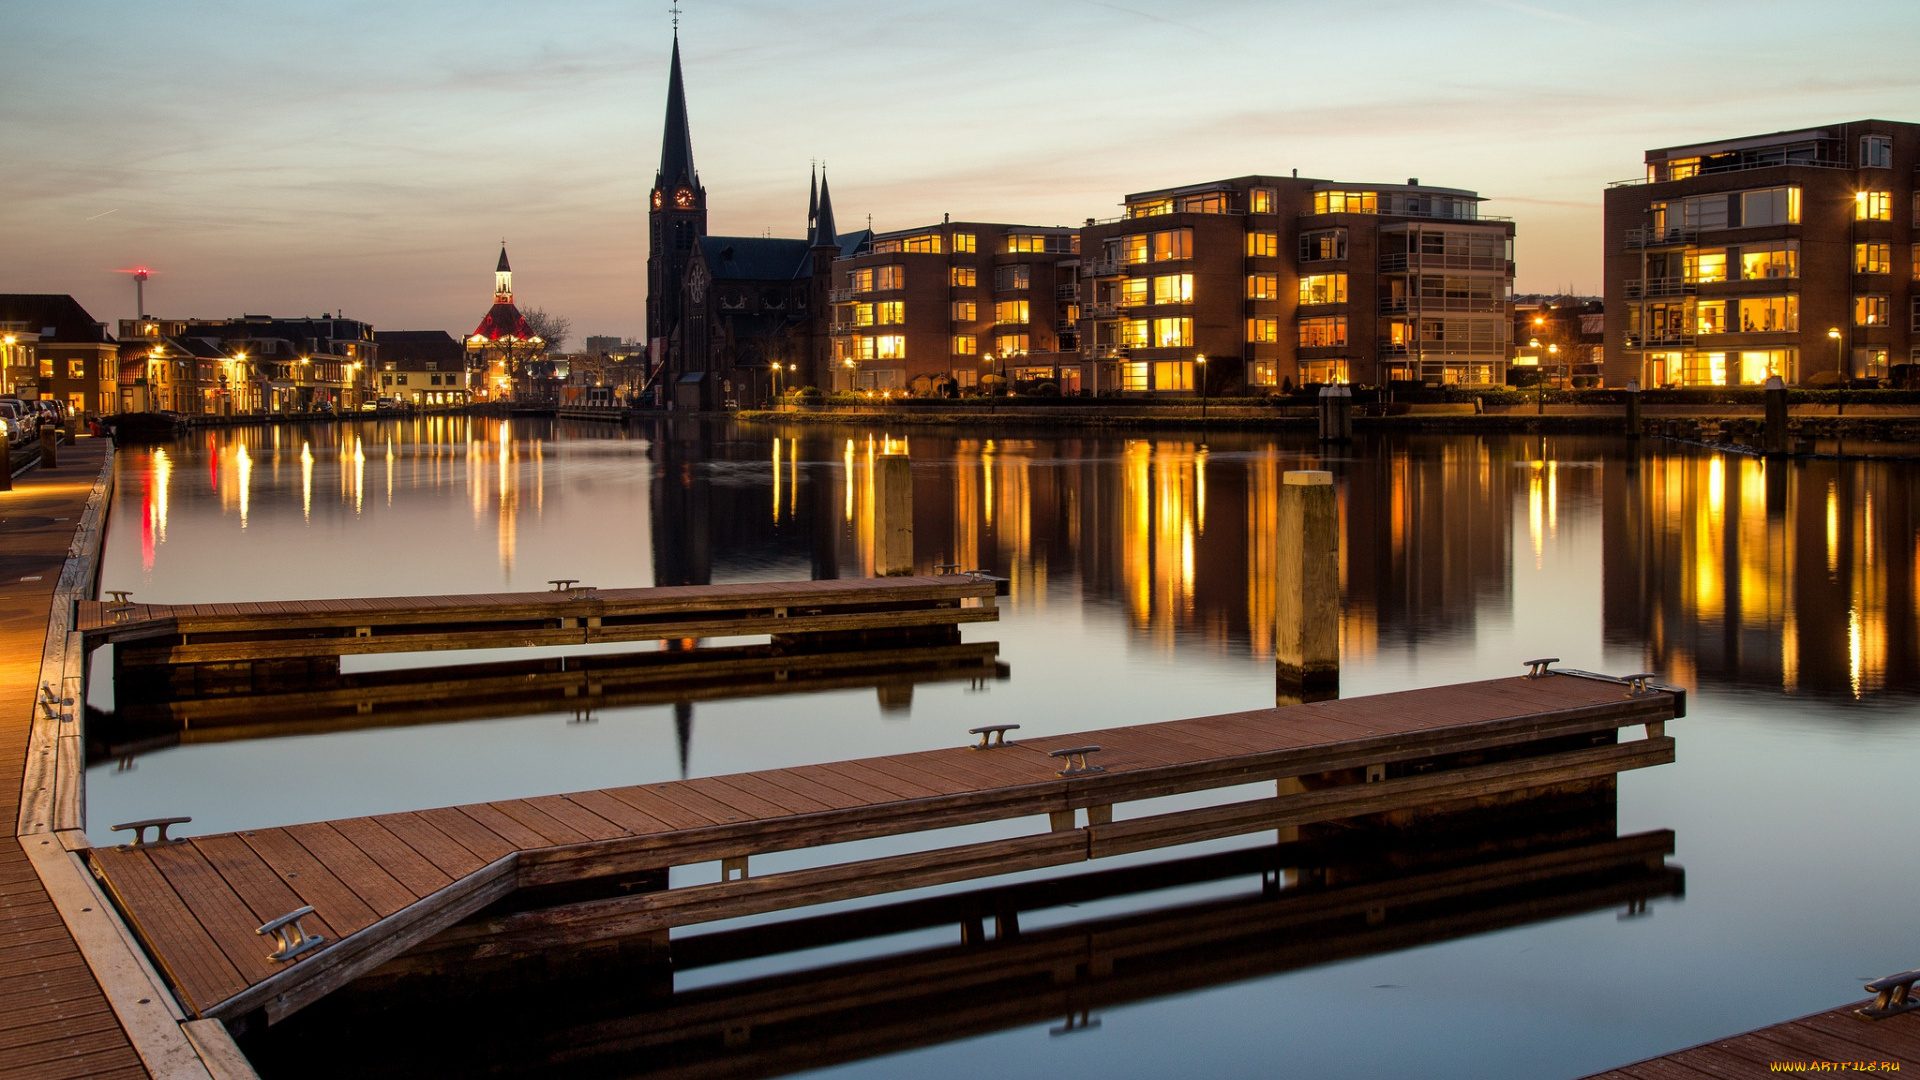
{"type": "Point", "coordinates": [1536, 512]}
{"type": "Point", "coordinates": [793, 477]}
{"type": "Point", "coordinates": [1159, 549]}
{"type": "Point", "coordinates": [778, 502]}
{"type": "Point", "coordinates": [359, 473]}
{"type": "Point", "coordinates": [1833, 527]}
{"type": "Point", "coordinates": [243, 466]}
{"type": "Point", "coordinates": [846, 464]}
{"type": "Point", "coordinates": [306, 480]}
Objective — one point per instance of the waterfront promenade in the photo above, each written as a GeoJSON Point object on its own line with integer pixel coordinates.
{"type": "Point", "coordinates": [57, 1021]}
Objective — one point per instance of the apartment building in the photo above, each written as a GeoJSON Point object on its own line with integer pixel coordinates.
{"type": "Point", "coordinates": [50, 347]}
{"type": "Point", "coordinates": [937, 309]}
{"type": "Point", "coordinates": [1263, 283]}
{"type": "Point", "coordinates": [1787, 254]}
{"type": "Point", "coordinates": [255, 363]}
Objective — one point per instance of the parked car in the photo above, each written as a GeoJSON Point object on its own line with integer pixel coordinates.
{"type": "Point", "coordinates": [369, 406]}
{"type": "Point", "coordinates": [21, 425]}
{"type": "Point", "coordinates": [52, 413]}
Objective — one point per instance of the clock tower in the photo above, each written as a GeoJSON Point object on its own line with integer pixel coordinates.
{"type": "Point", "coordinates": [676, 215]}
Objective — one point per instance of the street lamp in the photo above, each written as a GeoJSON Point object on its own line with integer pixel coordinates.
{"type": "Point", "coordinates": [1200, 361]}
{"type": "Point", "coordinates": [1839, 359]}
{"type": "Point", "coordinates": [773, 380]}
{"type": "Point", "coordinates": [988, 360]}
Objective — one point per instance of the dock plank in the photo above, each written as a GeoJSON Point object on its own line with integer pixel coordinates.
{"type": "Point", "coordinates": [394, 855]}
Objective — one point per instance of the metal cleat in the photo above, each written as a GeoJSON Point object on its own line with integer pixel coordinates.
{"type": "Point", "coordinates": [1077, 760]}
{"type": "Point", "coordinates": [119, 596]}
{"type": "Point", "coordinates": [946, 568]}
{"type": "Point", "coordinates": [562, 584]}
{"type": "Point", "coordinates": [1893, 996]}
{"type": "Point", "coordinates": [1541, 668]}
{"type": "Point", "coordinates": [1640, 683]}
{"type": "Point", "coordinates": [992, 735]}
{"type": "Point", "coordinates": [158, 824]}
{"type": "Point", "coordinates": [290, 937]}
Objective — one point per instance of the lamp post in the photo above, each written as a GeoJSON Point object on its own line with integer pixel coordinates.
{"type": "Point", "coordinates": [1200, 362]}
{"type": "Point", "coordinates": [988, 360]}
{"type": "Point", "coordinates": [1839, 357]}
{"type": "Point", "coordinates": [1539, 382]}
{"type": "Point", "coordinates": [773, 381]}
{"type": "Point", "coordinates": [853, 375]}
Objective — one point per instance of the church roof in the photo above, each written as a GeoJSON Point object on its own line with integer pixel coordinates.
{"type": "Point", "coordinates": [503, 267]}
{"type": "Point", "coordinates": [676, 139]}
{"type": "Point", "coordinates": [503, 321]}
{"type": "Point", "coordinates": [767, 258]}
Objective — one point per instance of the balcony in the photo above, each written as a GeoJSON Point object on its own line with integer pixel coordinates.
{"type": "Point", "coordinates": [1659, 287]}
{"type": "Point", "coordinates": [1648, 237]}
{"type": "Point", "coordinates": [1066, 292]}
{"type": "Point", "coordinates": [1100, 309]}
{"type": "Point", "coordinates": [1660, 339]}
{"type": "Point", "coordinates": [1099, 268]}
{"type": "Point", "coordinates": [1066, 326]}
{"type": "Point", "coordinates": [839, 296]}
{"type": "Point", "coordinates": [1405, 262]}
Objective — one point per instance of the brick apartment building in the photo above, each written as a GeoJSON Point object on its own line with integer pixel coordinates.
{"type": "Point", "coordinates": [1789, 254]}
{"type": "Point", "coordinates": [1288, 281]}
{"type": "Point", "coordinates": [936, 309]}
{"type": "Point", "coordinates": [50, 347]}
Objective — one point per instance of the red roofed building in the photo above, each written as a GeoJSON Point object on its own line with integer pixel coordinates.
{"type": "Point", "coordinates": [501, 347]}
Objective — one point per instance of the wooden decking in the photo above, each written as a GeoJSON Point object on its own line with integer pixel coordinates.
{"type": "Point", "coordinates": [56, 1021]}
{"type": "Point", "coordinates": [1804, 1045]}
{"type": "Point", "coordinates": [381, 885]}
{"type": "Point", "coordinates": [185, 634]}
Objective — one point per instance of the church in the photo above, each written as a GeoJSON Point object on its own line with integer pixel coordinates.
{"type": "Point", "coordinates": [734, 319]}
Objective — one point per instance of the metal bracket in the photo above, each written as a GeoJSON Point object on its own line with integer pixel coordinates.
{"type": "Point", "coordinates": [992, 735]}
{"type": "Point", "coordinates": [562, 584]}
{"type": "Point", "coordinates": [1894, 996]}
{"type": "Point", "coordinates": [946, 568]}
{"type": "Point", "coordinates": [119, 596]}
{"type": "Point", "coordinates": [1077, 760]}
{"type": "Point", "coordinates": [159, 824]}
{"type": "Point", "coordinates": [582, 592]}
{"type": "Point", "coordinates": [1541, 668]}
{"type": "Point", "coordinates": [53, 705]}
{"type": "Point", "coordinates": [290, 937]}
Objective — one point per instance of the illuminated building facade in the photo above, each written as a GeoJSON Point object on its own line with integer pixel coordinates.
{"type": "Point", "coordinates": [503, 353]}
{"type": "Point", "coordinates": [1285, 281]}
{"type": "Point", "coordinates": [50, 347]}
{"type": "Point", "coordinates": [252, 364]}
{"type": "Point", "coordinates": [1788, 254]}
{"type": "Point", "coordinates": [424, 369]}
{"type": "Point", "coordinates": [937, 309]}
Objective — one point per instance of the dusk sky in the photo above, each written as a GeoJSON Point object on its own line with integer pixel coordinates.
{"type": "Point", "coordinates": [290, 158]}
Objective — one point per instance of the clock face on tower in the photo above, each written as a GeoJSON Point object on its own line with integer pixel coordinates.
{"type": "Point", "coordinates": [656, 200]}
{"type": "Point", "coordinates": [683, 199]}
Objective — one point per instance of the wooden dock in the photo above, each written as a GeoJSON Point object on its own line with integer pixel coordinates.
{"type": "Point", "coordinates": [240, 643]}
{"type": "Point", "coordinates": [591, 865]}
{"type": "Point", "coordinates": [1833, 1041]}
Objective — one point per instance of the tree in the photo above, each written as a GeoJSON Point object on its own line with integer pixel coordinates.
{"type": "Point", "coordinates": [553, 330]}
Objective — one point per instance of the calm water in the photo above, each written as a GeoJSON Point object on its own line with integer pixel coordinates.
{"type": "Point", "coordinates": [1784, 595]}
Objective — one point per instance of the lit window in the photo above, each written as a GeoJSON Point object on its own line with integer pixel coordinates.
{"type": "Point", "coordinates": [1173, 244]}
{"type": "Point", "coordinates": [1173, 289]}
{"type": "Point", "coordinates": [1870, 362]}
{"type": "Point", "coordinates": [963, 311]}
{"type": "Point", "coordinates": [1323, 245]}
{"type": "Point", "coordinates": [890, 347]}
{"type": "Point", "coordinates": [1913, 260]}
{"type": "Point", "coordinates": [1263, 286]}
{"type": "Point", "coordinates": [1133, 292]}
{"type": "Point", "coordinates": [1261, 201]}
{"type": "Point", "coordinates": [1172, 333]}
{"type": "Point", "coordinates": [1023, 243]}
{"type": "Point", "coordinates": [1712, 317]}
{"type": "Point", "coordinates": [1011, 343]}
{"type": "Point", "coordinates": [1876, 151]}
{"type": "Point", "coordinates": [1135, 249]}
{"type": "Point", "coordinates": [1173, 375]}
{"type": "Point", "coordinates": [1767, 314]}
{"type": "Point", "coordinates": [76, 369]}
{"type": "Point", "coordinates": [1682, 168]}
{"type": "Point", "coordinates": [1010, 311]}
{"type": "Point", "coordinates": [1012, 278]}
{"type": "Point", "coordinates": [1873, 206]}
{"type": "Point", "coordinates": [889, 277]}
{"type": "Point", "coordinates": [1150, 208]}
{"type": "Point", "coordinates": [1708, 266]}
{"type": "Point", "coordinates": [1133, 333]}
{"type": "Point", "coordinates": [1770, 261]}
{"type": "Point", "coordinates": [1317, 333]}
{"type": "Point", "coordinates": [1323, 289]}
{"type": "Point", "coordinates": [1263, 373]}
{"type": "Point", "coordinates": [1134, 376]}
{"type": "Point", "coordinates": [860, 280]}
{"type": "Point", "coordinates": [863, 314]}
{"type": "Point", "coordinates": [923, 244]}
{"type": "Point", "coordinates": [1320, 372]}
{"type": "Point", "coordinates": [1873, 258]}
{"type": "Point", "coordinates": [965, 345]}
{"type": "Point", "coordinates": [1263, 245]}
{"type": "Point", "coordinates": [1212, 203]}
{"type": "Point", "coordinates": [1263, 331]}
{"type": "Point", "coordinates": [1871, 311]}
{"type": "Point", "coordinates": [890, 313]}
{"type": "Point", "coordinates": [1345, 202]}
{"type": "Point", "coordinates": [1758, 365]}
{"type": "Point", "coordinates": [962, 242]}
{"type": "Point", "coordinates": [963, 277]}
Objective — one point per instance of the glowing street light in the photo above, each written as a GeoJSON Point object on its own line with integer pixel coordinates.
{"type": "Point", "coordinates": [1839, 357]}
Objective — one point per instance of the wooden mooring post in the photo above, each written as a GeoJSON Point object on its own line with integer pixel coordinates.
{"type": "Point", "coordinates": [1306, 636]}
{"type": "Point", "coordinates": [892, 516]}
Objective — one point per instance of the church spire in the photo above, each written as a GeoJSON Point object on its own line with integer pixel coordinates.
{"type": "Point", "coordinates": [813, 197]}
{"type": "Point", "coordinates": [503, 278]}
{"type": "Point", "coordinates": [676, 141]}
{"type": "Point", "coordinates": [823, 231]}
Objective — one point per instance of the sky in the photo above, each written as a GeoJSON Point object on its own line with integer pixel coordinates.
{"type": "Point", "coordinates": [368, 157]}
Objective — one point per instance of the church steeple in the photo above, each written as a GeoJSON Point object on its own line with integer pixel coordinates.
{"type": "Point", "coordinates": [503, 278]}
{"type": "Point", "coordinates": [823, 231]}
{"type": "Point", "coordinates": [676, 139]}
{"type": "Point", "coordinates": [813, 198]}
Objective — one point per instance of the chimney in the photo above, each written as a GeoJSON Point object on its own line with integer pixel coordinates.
{"type": "Point", "coordinates": [1413, 181]}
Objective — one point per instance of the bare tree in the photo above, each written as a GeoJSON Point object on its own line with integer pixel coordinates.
{"type": "Point", "coordinates": [553, 330]}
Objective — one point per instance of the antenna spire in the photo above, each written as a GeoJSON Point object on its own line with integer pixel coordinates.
{"type": "Point", "coordinates": [675, 9]}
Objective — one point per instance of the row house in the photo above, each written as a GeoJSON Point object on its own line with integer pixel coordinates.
{"type": "Point", "coordinates": [252, 364]}
{"type": "Point", "coordinates": [51, 348]}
